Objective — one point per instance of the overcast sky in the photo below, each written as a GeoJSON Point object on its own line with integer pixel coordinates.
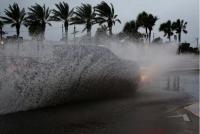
{"type": "Point", "coordinates": [126, 10]}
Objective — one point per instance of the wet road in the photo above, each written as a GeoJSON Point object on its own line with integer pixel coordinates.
{"type": "Point", "coordinates": [156, 108]}
{"type": "Point", "coordinates": [149, 111]}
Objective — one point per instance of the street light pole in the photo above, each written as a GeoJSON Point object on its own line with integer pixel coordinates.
{"type": "Point", "coordinates": [74, 33]}
{"type": "Point", "coordinates": [197, 39]}
{"type": "Point", "coordinates": [62, 31]}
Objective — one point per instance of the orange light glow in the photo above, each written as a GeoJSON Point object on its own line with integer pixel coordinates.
{"type": "Point", "coordinates": [143, 77]}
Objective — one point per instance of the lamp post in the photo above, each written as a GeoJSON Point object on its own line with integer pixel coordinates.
{"type": "Point", "coordinates": [74, 33]}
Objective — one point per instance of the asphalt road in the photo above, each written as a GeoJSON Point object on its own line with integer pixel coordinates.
{"type": "Point", "coordinates": [148, 112]}
{"type": "Point", "coordinates": [156, 108]}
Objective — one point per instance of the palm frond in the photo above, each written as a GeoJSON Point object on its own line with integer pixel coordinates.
{"type": "Point", "coordinates": [106, 14]}
{"type": "Point", "coordinates": [38, 17]}
{"type": "Point", "coordinates": [84, 15]}
{"type": "Point", "coordinates": [62, 13]}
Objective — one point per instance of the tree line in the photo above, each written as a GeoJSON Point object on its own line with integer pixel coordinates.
{"type": "Point", "coordinates": [39, 16]}
{"type": "Point", "coordinates": [147, 21]}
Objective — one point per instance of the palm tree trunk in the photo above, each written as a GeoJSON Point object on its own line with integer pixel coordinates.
{"type": "Point", "coordinates": [110, 24]}
{"type": "Point", "coordinates": [110, 31]}
{"type": "Point", "coordinates": [1, 30]}
{"type": "Point", "coordinates": [179, 37]}
{"type": "Point", "coordinates": [169, 37]}
{"type": "Point", "coordinates": [66, 24]}
{"type": "Point", "coordinates": [43, 31]}
{"type": "Point", "coordinates": [89, 27]}
{"type": "Point", "coordinates": [149, 36]}
{"type": "Point", "coordinates": [17, 30]}
{"type": "Point", "coordinates": [89, 32]}
{"type": "Point", "coordinates": [146, 33]}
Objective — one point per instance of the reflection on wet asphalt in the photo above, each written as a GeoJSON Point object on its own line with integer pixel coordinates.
{"type": "Point", "coordinates": [147, 112]}
{"type": "Point", "coordinates": [186, 82]}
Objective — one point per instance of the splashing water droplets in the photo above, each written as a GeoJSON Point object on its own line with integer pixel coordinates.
{"type": "Point", "coordinates": [61, 74]}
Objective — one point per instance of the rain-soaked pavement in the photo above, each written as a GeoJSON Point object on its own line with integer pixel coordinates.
{"type": "Point", "coordinates": [156, 108]}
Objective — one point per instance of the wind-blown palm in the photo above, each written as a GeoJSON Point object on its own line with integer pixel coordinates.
{"type": "Point", "coordinates": [147, 21]}
{"type": "Point", "coordinates": [130, 27]}
{"type": "Point", "coordinates": [167, 29]}
{"type": "Point", "coordinates": [151, 22]}
{"type": "Point", "coordinates": [179, 26]}
{"type": "Point", "coordinates": [106, 14]}
{"type": "Point", "coordinates": [38, 17]}
{"type": "Point", "coordinates": [142, 21]}
{"type": "Point", "coordinates": [63, 14]}
{"type": "Point", "coordinates": [84, 15]}
{"type": "Point", "coordinates": [14, 16]}
{"type": "Point", "coordinates": [131, 30]}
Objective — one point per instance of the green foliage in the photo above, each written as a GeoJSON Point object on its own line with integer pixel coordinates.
{"type": "Point", "coordinates": [167, 29]}
{"type": "Point", "coordinates": [14, 16]}
{"type": "Point", "coordinates": [131, 30]}
{"type": "Point", "coordinates": [142, 19]}
{"type": "Point", "coordinates": [84, 15]}
{"type": "Point", "coordinates": [130, 27]}
{"type": "Point", "coordinates": [179, 26]}
{"type": "Point", "coordinates": [63, 14]}
{"type": "Point", "coordinates": [38, 17]}
{"type": "Point", "coordinates": [106, 14]}
{"type": "Point", "coordinates": [147, 21]}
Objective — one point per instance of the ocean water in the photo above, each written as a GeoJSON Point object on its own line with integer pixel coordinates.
{"type": "Point", "coordinates": [57, 74]}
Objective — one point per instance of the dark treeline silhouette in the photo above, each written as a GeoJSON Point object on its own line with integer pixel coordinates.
{"type": "Point", "coordinates": [37, 19]}
{"type": "Point", "coordinates": [179, 26]}
{"type": "Point", "coordinates": [147, 21]}
{"type": "Point", "coordinates": [185, 48]}
{"type": "Point", "coordinates": [63, 14]}
{"type": "Point", "coordinates": [38, 16]}
{"type": "Point", "coordinates": [14, 16]}
{"type": "Point", "coordinates": [131, 30]}
{"type": "Point", "coordinates": [106, 14]}
{"type": "Point", "coordinates": [144, 20]}
{"type": "Point", "coordinates": [167, 29]}
{"type": "Point", "coordinates": [84, 15]}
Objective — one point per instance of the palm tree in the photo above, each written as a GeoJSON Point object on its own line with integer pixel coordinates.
{"type": "Point", "coordinates": [106, 14]}
{"type": "Point", "coordinates": [1, 29]}
{"type": "Point", "coordinates": [14, 16]}
{"type": "Point", "coordinates": [63, 14]}
{"type": "Point", "coordinates": [151, 22]}
{"type": "Point", "coordinates": [179, 26]}
{"type": "Point", "coordinates": [147, 21]}
{"type": "Point", "coordinates": [141, 22]}
{"type": "Point", "coordinates": [131, 30]}
{"type": "Point", "coordinates": [34, 28]}
{"type": "Point", "coordinates": [84, 15]}
{"type": "Point", "coordinates": [38, 18]}
{"type": "Point", "coordinates": [167, 29]}
{"type": "Point", "coordinates": [130, 27]}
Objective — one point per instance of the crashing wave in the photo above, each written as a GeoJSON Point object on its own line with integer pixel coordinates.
{"type": "Point", "coordinates": [74, 73]}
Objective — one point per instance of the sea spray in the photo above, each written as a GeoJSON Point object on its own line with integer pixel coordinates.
{"type": "Point", "coordinates": [71, 73]}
